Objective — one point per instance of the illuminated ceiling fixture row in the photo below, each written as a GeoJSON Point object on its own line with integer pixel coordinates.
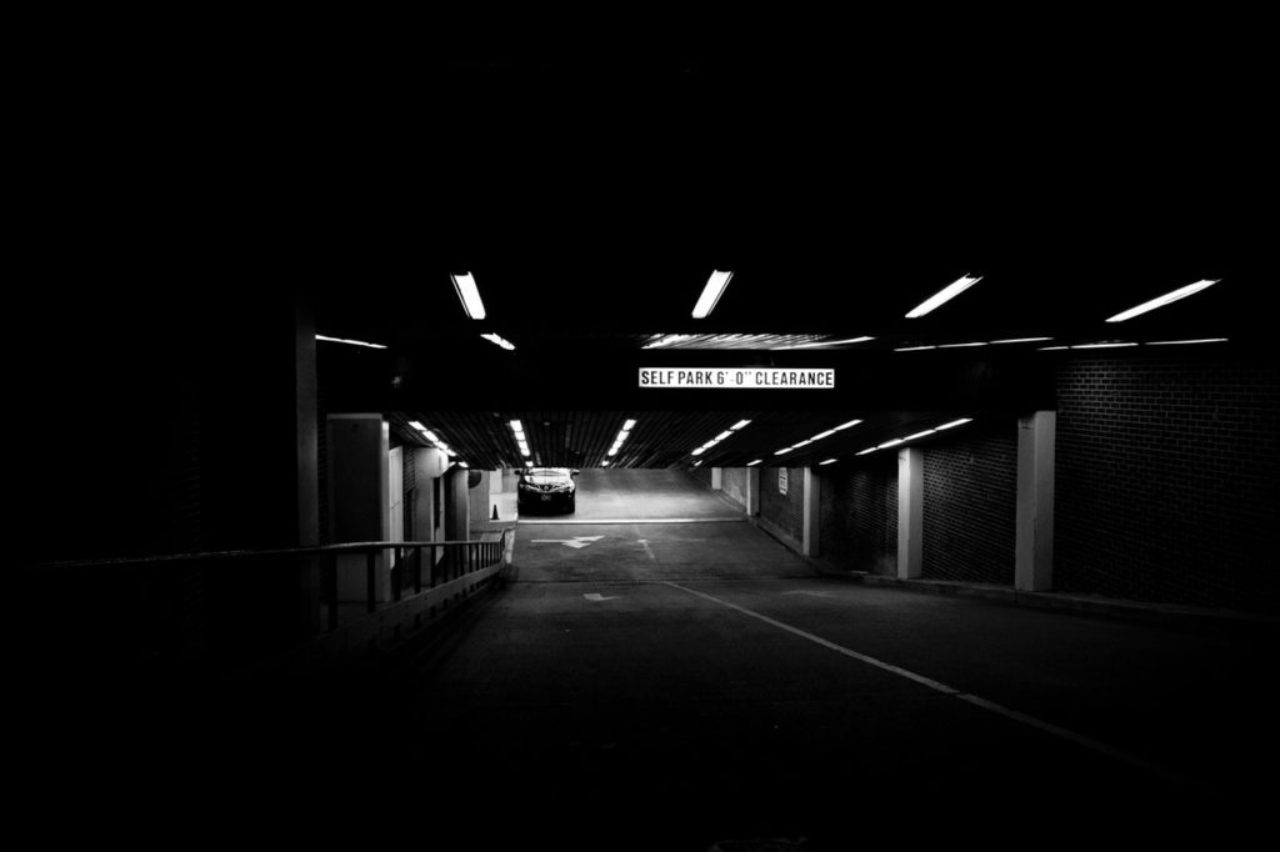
{"type": "Point", "coordinates": [917, 436]}
{"type": "Point", "coordinates": [517, 430]}
{"type": "Point", "coordinates": [741, 424]}
{"type": "Point", "coordinates": [500, 341]}
{"type": "Point", "coordinates": [1121, 344]}
{"type": "Point", "coordinates": [435, 439]}
{"type": "Point", "coordinates": [469, 293]}
{"type": "Point", "coordinates": [946, 294]}
{"type": "Point", "coordinates": [819, 344]}
{"type": "Point", "coordinates": [971, 344]}
{"type": "Point", "coordinates": [623, 434]}
{"type": "Point", "coordinates": [711, 293]}
{"type": "Point", "coordinates": [1161, 301]}
{"type": "Point", "coordinates": [818, 437]}
{"type": "Point", "coordinates": [350, 342]}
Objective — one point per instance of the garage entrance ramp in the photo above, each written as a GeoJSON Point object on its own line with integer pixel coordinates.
{"type": "Point", "coordinates": [642, 496]}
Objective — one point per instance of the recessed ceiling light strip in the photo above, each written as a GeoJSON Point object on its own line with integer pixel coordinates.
{"type": "Point", "coordinates": [1161, 301]}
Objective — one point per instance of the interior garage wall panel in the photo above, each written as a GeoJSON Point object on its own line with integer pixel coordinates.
{"type": "Point", "coordinates": [970, 503]}
{"type": "Point", "coordinates": [1167, 480]}
{"type": "Point", "coordinates": [859, 520]}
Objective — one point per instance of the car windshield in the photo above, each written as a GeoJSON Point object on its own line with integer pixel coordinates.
{"type": "Point", "coordinates": [549, 471]}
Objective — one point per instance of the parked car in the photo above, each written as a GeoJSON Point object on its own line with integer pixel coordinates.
{"type": "Point", "coordinates": [544, 489]}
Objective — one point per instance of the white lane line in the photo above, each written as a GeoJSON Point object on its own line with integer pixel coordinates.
{"type": "Point", "coordinates": [579, 521]}
{"type": "Point", "coordinates": [839, 649]}
{"type": "Point", "coordinates": [1031, 721]}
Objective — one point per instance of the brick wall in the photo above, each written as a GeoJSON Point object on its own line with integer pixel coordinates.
{"type": "Point", "coordinates": [734, 484]}
{"type": "Point", "coordinates": [859, 515]}
{"type": "Point", "coordinates": [1167, 480]}
{"type": "Point", "coordinates": [970, 503]}
{"type": "Point", "coordinates": [784, 513]}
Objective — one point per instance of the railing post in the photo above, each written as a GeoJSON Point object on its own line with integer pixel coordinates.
{"type": "Point", "coordinates": [417, 570]}
{"type": "Point", "coordinates": [370, 578]}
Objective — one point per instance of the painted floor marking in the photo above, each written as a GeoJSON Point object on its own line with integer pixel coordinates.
{"type": "Point", "coordinates": [579, 521]}
{"type": "Point", "coordinates": [577, 542]}
{"type": "Point", "coordinates": [1014, 715]}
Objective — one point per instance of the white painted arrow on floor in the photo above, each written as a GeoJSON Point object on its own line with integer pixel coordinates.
{"type": "Point", "coordinates": [577, 542]}
{"type": "Point", "coordinates": [597, 597]}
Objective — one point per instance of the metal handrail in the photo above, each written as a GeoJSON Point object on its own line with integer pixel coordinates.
{"type": "Point", "coordinates": [410, 574]}
{"type": "Point", "coordinates": [212, 555]}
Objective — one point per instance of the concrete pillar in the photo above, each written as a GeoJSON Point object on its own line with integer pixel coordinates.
{"type": "Point", "coordinates": [809, 545]}
{"type": "Point", "coordinates": [480, 501]}
{"type": "Point", "coordinates": [358, 505]}
{"type": "Point", "coordinates": [1033, 548]}
{"type": "Point", "coordinates": [717, 479]}
{"type": "Point", "coordinates": [457, 505]}
{"type": "Point", "coordinates": [753, 492]}
{"type": "Point", "coordinates": [910, 513]}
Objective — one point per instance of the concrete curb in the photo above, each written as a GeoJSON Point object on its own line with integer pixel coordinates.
{"type": "Point", "coordinates": [1088, 604]}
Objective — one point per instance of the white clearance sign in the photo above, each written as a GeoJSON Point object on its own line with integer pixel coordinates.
{"type": "Point", "coordinates": [738, 378]}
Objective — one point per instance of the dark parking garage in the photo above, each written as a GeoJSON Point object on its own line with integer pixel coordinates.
{"type": "Point", "coordinates": [890, 521]}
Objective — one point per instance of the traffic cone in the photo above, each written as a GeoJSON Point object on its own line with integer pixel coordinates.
{"type": "Point", "coordinates": [495, 511]}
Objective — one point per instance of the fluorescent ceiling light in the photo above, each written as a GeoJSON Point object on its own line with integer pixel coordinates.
{"type": "Point", "coordinates": [415, 424]}
{"type": "Point", "coordinates": [784, 451]}
{"type": "Point", "coordinates": [726, 433]}
{"type": "Point", "coordinates": [821, 435]}
{"type": "Point", "coordinates": [954, 423]}
{"type": "Point", "coordinates": [699, 451]}
{"type": "Point", "coordinates": [499, 340]}
{"type": "Point", "coordinates": [739, 425]}
{"type": "Point", "coordinates": [431, 436]}
{"type": "Point", "coordinates": [516, 426]}
{"type": "Point", "coordinates": [844, 426]}
{"type": "Point", "coordinates": [711, 294]}
{"type": "Point", "coordinates": [920, 434]}
{"type": "Point", "coordinates": [1051, 348]}
{"type": "Point", "coordinates": [1183, 342]}
{"type": "Point", "coordinates": [754, 463]}
{"type": "Point", "coordinates": [828, 461]}
{"type": "Point", "coordinates": [350, 342]}
{"type": "Point", "coordinates": [604, 463]}
{"type": "Point", "coordinates": [1023, 340]}
{"type": "Point", "coordinates": [955, 288]}
{"type": "Point", "coordinates": [895, 442]}
{"type": "Point", "coordinates": [465, 284]}
{"type": "Point", "coordinates": [629, 425]}
{"type": "Point", "coordinates": [698, 463]}
{"type": "Point", "coordinates": [1102, 345]}
{"type": "Point", "coordinates": [666, 340]}
{"type": "Point", "coordinates": [867, 450]}
{"type": "Point", "coordinates": [463, 464]}
{"type": "Point", "coordinates": [798, 444]}
{"type": "Point", "coordinates": [960, 345]}
{"type": "Point", "coordinates": [914, 348]}
{"type": "Point", "coordinates": [827, 343]}
{"type": "Point", "coordinates": [1161, 301]}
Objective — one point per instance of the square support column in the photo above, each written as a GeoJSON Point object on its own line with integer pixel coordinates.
{"type": "Point", "coordinates": [717, 479]}
{"type": "Point", "coordinates": [1033, 546]}
{"type": "Point", "coordinates": [910, 513]}
{"type": "Point", "coordinates": [359, 507]}
{"type": "Point", "coordinates": [809, 544]}
{"type": "Point", "coordinates": [753, 492]}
